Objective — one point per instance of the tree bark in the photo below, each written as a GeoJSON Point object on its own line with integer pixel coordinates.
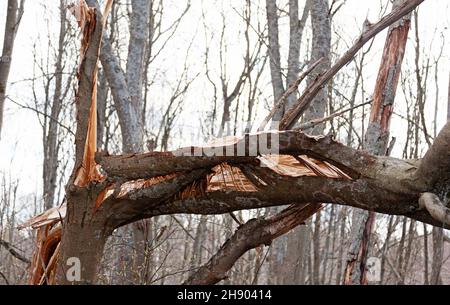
{"type": "Point", "coordinates": [274, 53]}
{"type": "Point", "coordinates": [51, 146]}
{"type": "Point", "coordinates": [321, 46]}
{"type": "Point", "coordinates": [84, 228]}
{"type": "Point", "coordinates": [14, 14]}
{"type": "Point", "coordinates": [377, 135]}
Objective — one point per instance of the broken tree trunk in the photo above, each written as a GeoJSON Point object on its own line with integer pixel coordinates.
{"type": "Point", "coordinates": [377, 137]}
{"type": "Point", "coordinates": [85, 229]}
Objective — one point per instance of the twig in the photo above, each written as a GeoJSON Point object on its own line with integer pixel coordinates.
{"type": "Point", "coordinates": [13, 252]}
{"type": "Point", "coordinates": [41, 113]}
{"type": "Point", "coordinates": [315, 122]}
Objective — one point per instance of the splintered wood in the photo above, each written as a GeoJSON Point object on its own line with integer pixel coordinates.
{"type": "Point", "coordinates": [221, 177]}
{"type": "Point", "coordinates": [89, 170]}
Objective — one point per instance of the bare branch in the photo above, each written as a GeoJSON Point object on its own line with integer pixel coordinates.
{"type": "Point", "coordinates": [308, 95]}
{"type": "Point", "coordinates": [252, 234]}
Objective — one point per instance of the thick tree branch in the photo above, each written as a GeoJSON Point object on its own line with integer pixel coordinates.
{"type": "Point", "coordinates": [435, 207]}
{"type": "Point", "coordinates": [353, 162]}
{"type": "Point", "coordinates": [361, 193]}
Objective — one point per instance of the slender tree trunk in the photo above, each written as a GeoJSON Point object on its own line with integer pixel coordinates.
{"type": "Point", "coordinates": [438, 256]}
{"type": "Point", "coordinates": [274, 53]}
{"type": "Point", "coordinates": [425, 255]}
{"type": "Point", "coordinates": [377, 137]}
{"type": "Point", "coordinates": [316, 249]}
{"type": "Point", "coordinates": [13, 15]}
{"type": "Point", "coordinates": [321, 46]}
{"type": "Point", "coordinates": [51, 146]}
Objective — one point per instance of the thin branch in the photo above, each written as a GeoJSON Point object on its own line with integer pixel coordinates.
{"type": "Point", "coordinates": [13, 251]}
{"type": "Point", "coordinates": [292, 88]}
{"type": "Point", "coordinates": [306, 98]}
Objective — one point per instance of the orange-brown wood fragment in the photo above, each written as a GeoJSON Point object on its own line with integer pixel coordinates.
{"type": "Point", "coordinates": [42, 266]}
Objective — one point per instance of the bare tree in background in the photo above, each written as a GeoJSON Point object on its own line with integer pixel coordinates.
{"type": "Point", "coordinates": [13, 16]}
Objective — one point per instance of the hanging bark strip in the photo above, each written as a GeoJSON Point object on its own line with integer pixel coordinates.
{"type": "Point", "coordinates": [377, 136]}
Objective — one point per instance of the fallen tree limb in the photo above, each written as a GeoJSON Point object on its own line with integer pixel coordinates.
{"type": "Point", "coordinates": [252, 234]}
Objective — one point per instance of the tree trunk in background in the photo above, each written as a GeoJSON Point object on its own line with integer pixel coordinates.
{"type": "Point", "coordinates": [196, 256]}
{"type": "Point", "coordinates": [102, 99]}
{"type": "Point", "coordinates": [316, 250]}
{"type": "Point", "coordinates": [425, 255]}
{"type": "Point", "coordinates": [296, 27]}
{"type": "Point", "coordinates": [278, 246]}
{"type": "Point", "coordinates": [321, 44]}
{"type": "Point", "coordinates": [299, 238]}
{"type": "Point", "coordinates": [126, 98]}
{"type": "Point", "coordinates": [448, 99]}
{"type": "Point", "coordinates": [137, 49]}
{"type": "Point", "coordinates": [51, 144]}
{"type": "Point", "coordinates": [13, 15]}
{"type": "Point", "coordinates": [377, 137]}
{"type": "Point", "coordinates": [438, 255]}
{"type": "Point", "coordinates": [274, 54]}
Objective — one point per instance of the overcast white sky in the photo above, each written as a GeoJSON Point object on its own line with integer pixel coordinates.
{"type": "Point", "coordinates": [21, 146]}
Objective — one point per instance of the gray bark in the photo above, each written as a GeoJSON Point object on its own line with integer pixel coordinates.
{"type": "Point", "coordinates": [438, 255]}
{"type": "Point", "coordinates": [296, 27]}
{"type": "Point", "coordinates": [13, 15]}
{"type": "Point", "coordinates": [274, 53]}
{"type": "Point", "coordinates": [321, 44]}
